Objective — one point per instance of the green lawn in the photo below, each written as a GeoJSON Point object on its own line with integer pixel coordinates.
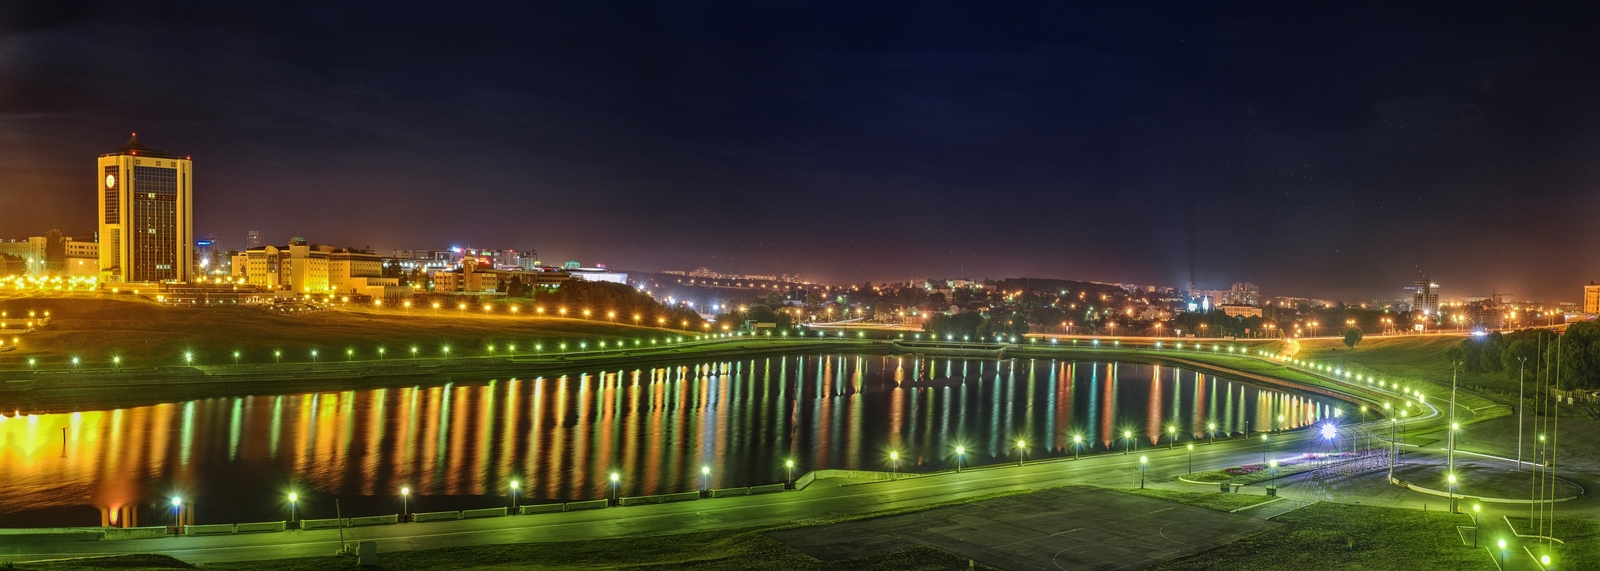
{"type": "Point", "coordinates": [1582, 539]}
{"type": "Point", "coordinates": [1338, 536]}
{"type": "Point", "coordinates": [146, 334]}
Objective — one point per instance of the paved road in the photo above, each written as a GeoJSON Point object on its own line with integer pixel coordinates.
{"type": "Point", "coordinates": [823, 499]}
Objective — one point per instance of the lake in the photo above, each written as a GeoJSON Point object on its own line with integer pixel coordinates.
{"type": "Point", "coordinates": [462, 445]}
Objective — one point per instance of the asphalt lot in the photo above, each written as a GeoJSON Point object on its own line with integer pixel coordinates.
{"type": "Point", "coordinates": [1066, 528]}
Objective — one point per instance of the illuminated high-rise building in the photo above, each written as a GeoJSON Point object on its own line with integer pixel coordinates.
{"type": "Point", "coordinates": [146, 215]}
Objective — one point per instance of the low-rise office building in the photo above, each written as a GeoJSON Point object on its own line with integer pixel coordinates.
{"type": "Point", "coordinates": [303, 268]}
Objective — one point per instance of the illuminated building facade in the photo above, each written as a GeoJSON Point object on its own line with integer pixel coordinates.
{"type": "Point", "coordinates": [146, 215]}
{"type": "Point", "coordinates": [304, 268]}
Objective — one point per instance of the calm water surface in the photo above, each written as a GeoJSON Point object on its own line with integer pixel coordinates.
{"type": "Point", "coordinates": [461, 445]}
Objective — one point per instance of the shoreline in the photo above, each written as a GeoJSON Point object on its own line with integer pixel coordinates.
{"type": "Point", "coordinates": [60, 391]}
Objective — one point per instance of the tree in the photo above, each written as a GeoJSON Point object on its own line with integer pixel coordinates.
{"type": "Point", "coordinates": [1353, 336]}
{"type": "Point", "coordinates": [1455, 355]}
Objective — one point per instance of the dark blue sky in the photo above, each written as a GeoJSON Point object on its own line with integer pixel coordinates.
{"type": "Point", "coordinates": [1317, 151]}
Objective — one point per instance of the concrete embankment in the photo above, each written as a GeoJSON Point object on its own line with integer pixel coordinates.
{"type": "Point", "coordinates": [68, 390]}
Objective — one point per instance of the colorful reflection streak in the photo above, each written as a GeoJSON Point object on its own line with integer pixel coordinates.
{"type": "Point", "coordinates": [461, 445]}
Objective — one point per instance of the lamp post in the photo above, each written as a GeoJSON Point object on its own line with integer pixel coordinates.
{"type": "Point", "coordinates": [705, 478]}
{"type": "Point", "coordinates": [1521, 368]}
{"type": "Point", "coordinates": [513, 495]}
{"type": "Point", "coordinates": [1263, 447]}
{"type": "Point", "coordinates": [1127, 442]}
{"type": "Point", "coordinates": [1502, 554]}
{"type": "Point", "coordinates": [1077, 447]}
{"type": "Point", "coordinates": [1452, 481]}
{"type": "Point", "coordinates": [1172, 437]}
{"type": "Point", "coordinates": [1477, 509]}
{"type": "Point", "coordinates": [894, 466]}
{"type": "Point", "coordinates": [405, 504]}
{"type": "Point", "coordinates": [1022, 451]}
{"type": "Point", "coordinates": [293, 499]}
{"type": "Point", "coordinates": [1211, 428]}
{"type": "Point", "coordinates": [1191, 458]}
{"type": "Point", "coordinates": [788, 466]}
{"type": "Point", "coordinates": [1450, 454]}
{"type": "Point", "coordinates": [616, 487]}
{"type": "Point", "coordinates": [961, 454]}
{"type": "Point", "coordinates": [1143, 463]}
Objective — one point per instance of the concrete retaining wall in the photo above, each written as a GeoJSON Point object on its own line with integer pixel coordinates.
{"type": "Point", "coordinates": [805, 480]}
{"type": "Point", "coordinates": [212, 529]}
{"type": "Point", "coordinates": [586, 505]}
{"type": "Point", "coordinates": [120, 534]}
{"type": "Point", "coordinates": [435, 516]}
{"type": "Point", "coordinates": [767, 489]}
{"type": "Point", "coordinates": [260, 526]}
{"type": "Point", "coordinates": [374, 520]}
{"type": "Point", "coordinates": [639, 500]}
{"type": "Point", "coordinates": [660, 499]}
{"type": "Point", "coordinates": [728, 492]}
{"type": "Point", "coordinates": [855, 475]}
{"type": "Point", "coordinates": [485, 512]}
{"type": "Point", "coordinates": [322, 523]}
{"type": "Point", "coordinates": [541, 509]}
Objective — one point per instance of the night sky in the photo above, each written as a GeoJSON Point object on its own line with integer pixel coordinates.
{"type": "Point", "coordinates": [1319, 151]}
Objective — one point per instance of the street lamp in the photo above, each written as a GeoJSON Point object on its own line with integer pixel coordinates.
{"type": "Point", "coordinates": [1172, 437]}
{"type": "Point", "coordinates": [1022, 451]}
{"type": "Point", "coordinates": [616, 488]}
{"type": "Point", "coordinates": [961, 454]}
{"type": "Point", "coordinates": [1211, 427]}
{"type": "Point", "coordinates": [1127, 442]}
{"type": "Point", "coordinates": [705, 478]}
{"type": "Point", "coordinates": [894, 465]}
{"type": "Point", "coordinates": [1477, 509]}
{"type": "Point", "coordinates": [1191, 458]}
{"type": "Point", "coordinates": [293, 499]}
{"type": "Point", "coordinates": [513, 494]}
{"type": "Point", "coordinates": [1077, 447]}
{"type": "Point", "coordinates": [1144, 463]}
{"type": "Point", "coordinates": [788, 466]}
{"type": "Point", "coordinates": [405, 495]}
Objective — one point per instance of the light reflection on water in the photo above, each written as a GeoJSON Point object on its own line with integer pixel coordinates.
{"type": "Point", "coordinates": [460, 445]}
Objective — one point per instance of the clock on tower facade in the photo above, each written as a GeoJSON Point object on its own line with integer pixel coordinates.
{"type": "Point", "coordinates": [146, 215]}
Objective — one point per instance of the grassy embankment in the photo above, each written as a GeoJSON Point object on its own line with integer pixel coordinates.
{"type": "Point", "coordinates": [1320, 536]}
{"type": "Point", "coordinates": [145, 334]}
{"type": "Point", "coordinates": [1411, 359]}
{"type": "Point", "coordinates": [1338, 536]}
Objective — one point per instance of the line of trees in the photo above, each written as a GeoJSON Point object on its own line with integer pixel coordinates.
{"type": "Point", "coordinates": [1577, 352]}
{"type": "Point", "coordinates": [976, 326]}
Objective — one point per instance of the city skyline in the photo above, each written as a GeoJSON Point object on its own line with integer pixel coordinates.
{"type": "Point", "coordinates": [1103, 150]}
